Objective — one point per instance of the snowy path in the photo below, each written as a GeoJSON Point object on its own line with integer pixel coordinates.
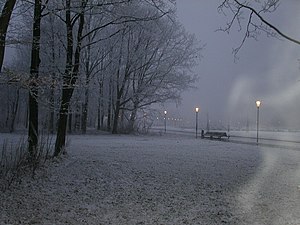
{"type": "Point", "coordinates": [160, 180]}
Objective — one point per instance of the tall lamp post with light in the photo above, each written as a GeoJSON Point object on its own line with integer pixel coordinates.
{"type": "Point", "coordinates": [258, 103]}
{"type": "Point", "coordinates": [197, 110]}
{"type": "Point", "coordinates": [165, 112]}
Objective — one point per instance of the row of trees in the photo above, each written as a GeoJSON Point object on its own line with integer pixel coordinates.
{"type": "Point", "coordinates": [92, 63]}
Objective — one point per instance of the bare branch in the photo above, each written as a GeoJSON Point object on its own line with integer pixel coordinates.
{"type": "Point", "coordinates": [253, 28]}
{"type": "Point", "coordinates": [268, 23]}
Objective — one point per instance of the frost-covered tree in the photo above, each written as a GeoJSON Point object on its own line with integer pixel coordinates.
{"type": "Point", "coordinates": [70, 75]}
{"type": "Point", "coordinates": [120, 12]}
{"type": "Point", "coordinates": [33, 119]}
{"type": "Point", "coordinates": [152, 65]}
{"type": "Point", "coordinates": [98, 62]}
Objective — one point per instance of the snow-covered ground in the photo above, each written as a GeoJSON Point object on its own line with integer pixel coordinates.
{"type": "Point", "coordinates": [167, 179]}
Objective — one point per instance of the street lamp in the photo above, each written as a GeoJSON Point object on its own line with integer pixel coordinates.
{"type": "Point", "coordinates": [197, 110]}
{"type": "Point", "coordinates": [165, 118]}
{"type": "Point", "coordinates": [258, 103]}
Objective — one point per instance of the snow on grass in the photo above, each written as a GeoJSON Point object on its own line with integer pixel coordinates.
{"type": "Point", "coordinates": [169, 179]}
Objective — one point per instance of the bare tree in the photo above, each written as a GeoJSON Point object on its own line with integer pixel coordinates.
{"type": "Point", "coordinates": [71, 71]}
{"type": "Point", "coordinates": [249, 16]}
{"type": "Point", "coordinates": [33, 123]}
{"type": "Point", "coordinates": [154, 62]}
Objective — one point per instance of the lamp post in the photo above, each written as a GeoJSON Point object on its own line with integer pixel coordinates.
{"type": "Point", "coordinates": [197, 110]}
{"type": "Point", "coordinates": [258, 103]}
{"type": "Point", "coordinates": [165, 118]}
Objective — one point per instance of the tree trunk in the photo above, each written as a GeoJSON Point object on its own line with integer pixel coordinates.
{"type": "Point", "coordinates": [70, 121]}
{"type": "Point", "coordinates": [67, 88]}
{"type": "Point", "coordinates": [70, 75]}
{"type": "Point", "coordinates": [101, 107]}
{"type": "Point", "coordinates": [4, 22]}
{"type": "Point", "coordinates": [132, 120]}
{"type": "Point", "coordinates": [109, 106]}
{"type": "Point", "coordinates": [7, 108]}
{"type": "Point", "coordinates": [52, 113]}
{"type": "Point", "coordinates": [100, 113]}
{"type": "Point", "coordinates": [51, 118]}
{"type": "Point", "coordinates": [98, 116]}
{"type": "Point", "coordinates": [34, 74]}
{"type": "Point", "coordinates": [115, 121]}
{"type": "Point", "coordinates": [62, 121]}
{"type": "Point", "coordinates": [86, 101]}
{"type": "Point", "coordinates": [87, 82]}
{"type": "Point", "coordinates": [116, 116]}
{"type": "Point", "coordinates": [85, 112]}
{"type": "Point", "coordinates": [26, 115]}
{"type": "Point", "coordinates": [78, 116]}
{"type": "Point", "coordinates": [14, 111]}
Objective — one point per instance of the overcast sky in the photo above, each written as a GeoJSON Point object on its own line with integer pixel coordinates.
{"type": "Point", "coordinates": [267, 69]}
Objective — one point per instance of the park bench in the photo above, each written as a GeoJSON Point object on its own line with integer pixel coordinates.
{"type": "Point", "coordinates": [214, 134]}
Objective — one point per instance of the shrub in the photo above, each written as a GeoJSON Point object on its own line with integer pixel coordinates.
{"type": "Point", "coordinates": [16, 162]}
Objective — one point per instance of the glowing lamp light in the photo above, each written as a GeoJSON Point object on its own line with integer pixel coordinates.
{"type": "Point", "coordinates": [197, 110]}
{"type": "Point", "coordinates": [165, 120]}
{"type": "Point", "coordinates": [258, 103]}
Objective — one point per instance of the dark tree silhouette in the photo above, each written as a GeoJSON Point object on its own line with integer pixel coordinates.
{"type": "Point", "coordinates": [4, 22]}
{"type": "Point", "coordinates": [34, 74]}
